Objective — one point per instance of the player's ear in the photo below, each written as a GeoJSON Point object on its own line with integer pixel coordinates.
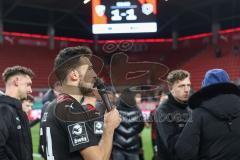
{"type": "Point", "coordinates": [15, 81]}
{"type": "Point", "coordinates": [74, 75]}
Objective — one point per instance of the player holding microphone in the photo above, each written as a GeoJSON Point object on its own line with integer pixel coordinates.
{"type": "Point", "coordinates": [71, 129]}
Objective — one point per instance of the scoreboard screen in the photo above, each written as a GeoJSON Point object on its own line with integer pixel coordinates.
{"type": "Point", "coordinates": [124, 16]}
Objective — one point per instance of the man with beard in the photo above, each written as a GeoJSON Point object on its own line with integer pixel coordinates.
{"type": "Point", "coordinates": [172, 114]}
{"type": "Point", "coordinates": [15, 135]}
{"type": "Point", "coordinates": [71, 129]}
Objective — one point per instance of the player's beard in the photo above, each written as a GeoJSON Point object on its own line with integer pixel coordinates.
{"type": "Point", "coordinates": [22, 95]}
{"type": "Point", "coordinates": [85, 90]}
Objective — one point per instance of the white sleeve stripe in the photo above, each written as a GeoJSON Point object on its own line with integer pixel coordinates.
{"type": "Point", "coordinates": [49, 144]}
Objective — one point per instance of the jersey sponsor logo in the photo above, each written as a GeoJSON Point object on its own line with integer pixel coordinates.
{"type": "Point", "coordinates": [98, 127]}
{"type": "Point", "coordinates": [78, 133]}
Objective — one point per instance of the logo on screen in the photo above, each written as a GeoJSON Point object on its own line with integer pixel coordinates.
{"type": "Point", "coordinates": [147, 8]}
{"type": "Point", "coordinates": [100, 10]}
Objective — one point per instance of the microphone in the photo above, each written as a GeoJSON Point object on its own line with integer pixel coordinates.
{"type": "Point", "coordinates": [103, 93]}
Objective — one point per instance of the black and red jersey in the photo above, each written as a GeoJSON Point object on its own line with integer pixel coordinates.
{"type": "Point", "coordinates": [67, 126]}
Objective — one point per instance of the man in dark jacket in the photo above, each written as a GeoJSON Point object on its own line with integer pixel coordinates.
{"type": "Point", "coordinates": [126, 143]}
{"type": "Point", "coordinates": [172, 114]}
{"type": "Point", "coordinates": [15, 136]}
{"type": "Point", "coordinates": [214, 131]}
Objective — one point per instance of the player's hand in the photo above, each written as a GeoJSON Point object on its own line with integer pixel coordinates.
{"type": "Point", "coordinates": [112, 119]}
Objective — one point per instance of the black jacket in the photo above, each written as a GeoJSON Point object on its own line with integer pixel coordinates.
{"type": "Point", "coordinates": [126, 135]}
{"type": "Point", "coordinates": [171, 116]}
{"type": "Point", "coordinates": [214, 132]}
{"type": "Point", "coordinates": [15, 136]}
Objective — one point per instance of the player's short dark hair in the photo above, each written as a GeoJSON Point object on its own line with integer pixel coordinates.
{"type": "Point", "coordinates": [69, 58]}
{"type": "Point", "coordinates": [16, 70]}
{"type": "Point", "coordinates": [177, 75]}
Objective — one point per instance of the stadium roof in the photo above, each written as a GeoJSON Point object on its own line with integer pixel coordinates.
{"type": "Point", "coordinates": [72, 18]}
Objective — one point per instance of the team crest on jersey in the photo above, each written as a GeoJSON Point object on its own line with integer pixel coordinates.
{"type": "Point", "coordinates": [98, 127]}
{"type": "Point", "coordinates": [78, 133]}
